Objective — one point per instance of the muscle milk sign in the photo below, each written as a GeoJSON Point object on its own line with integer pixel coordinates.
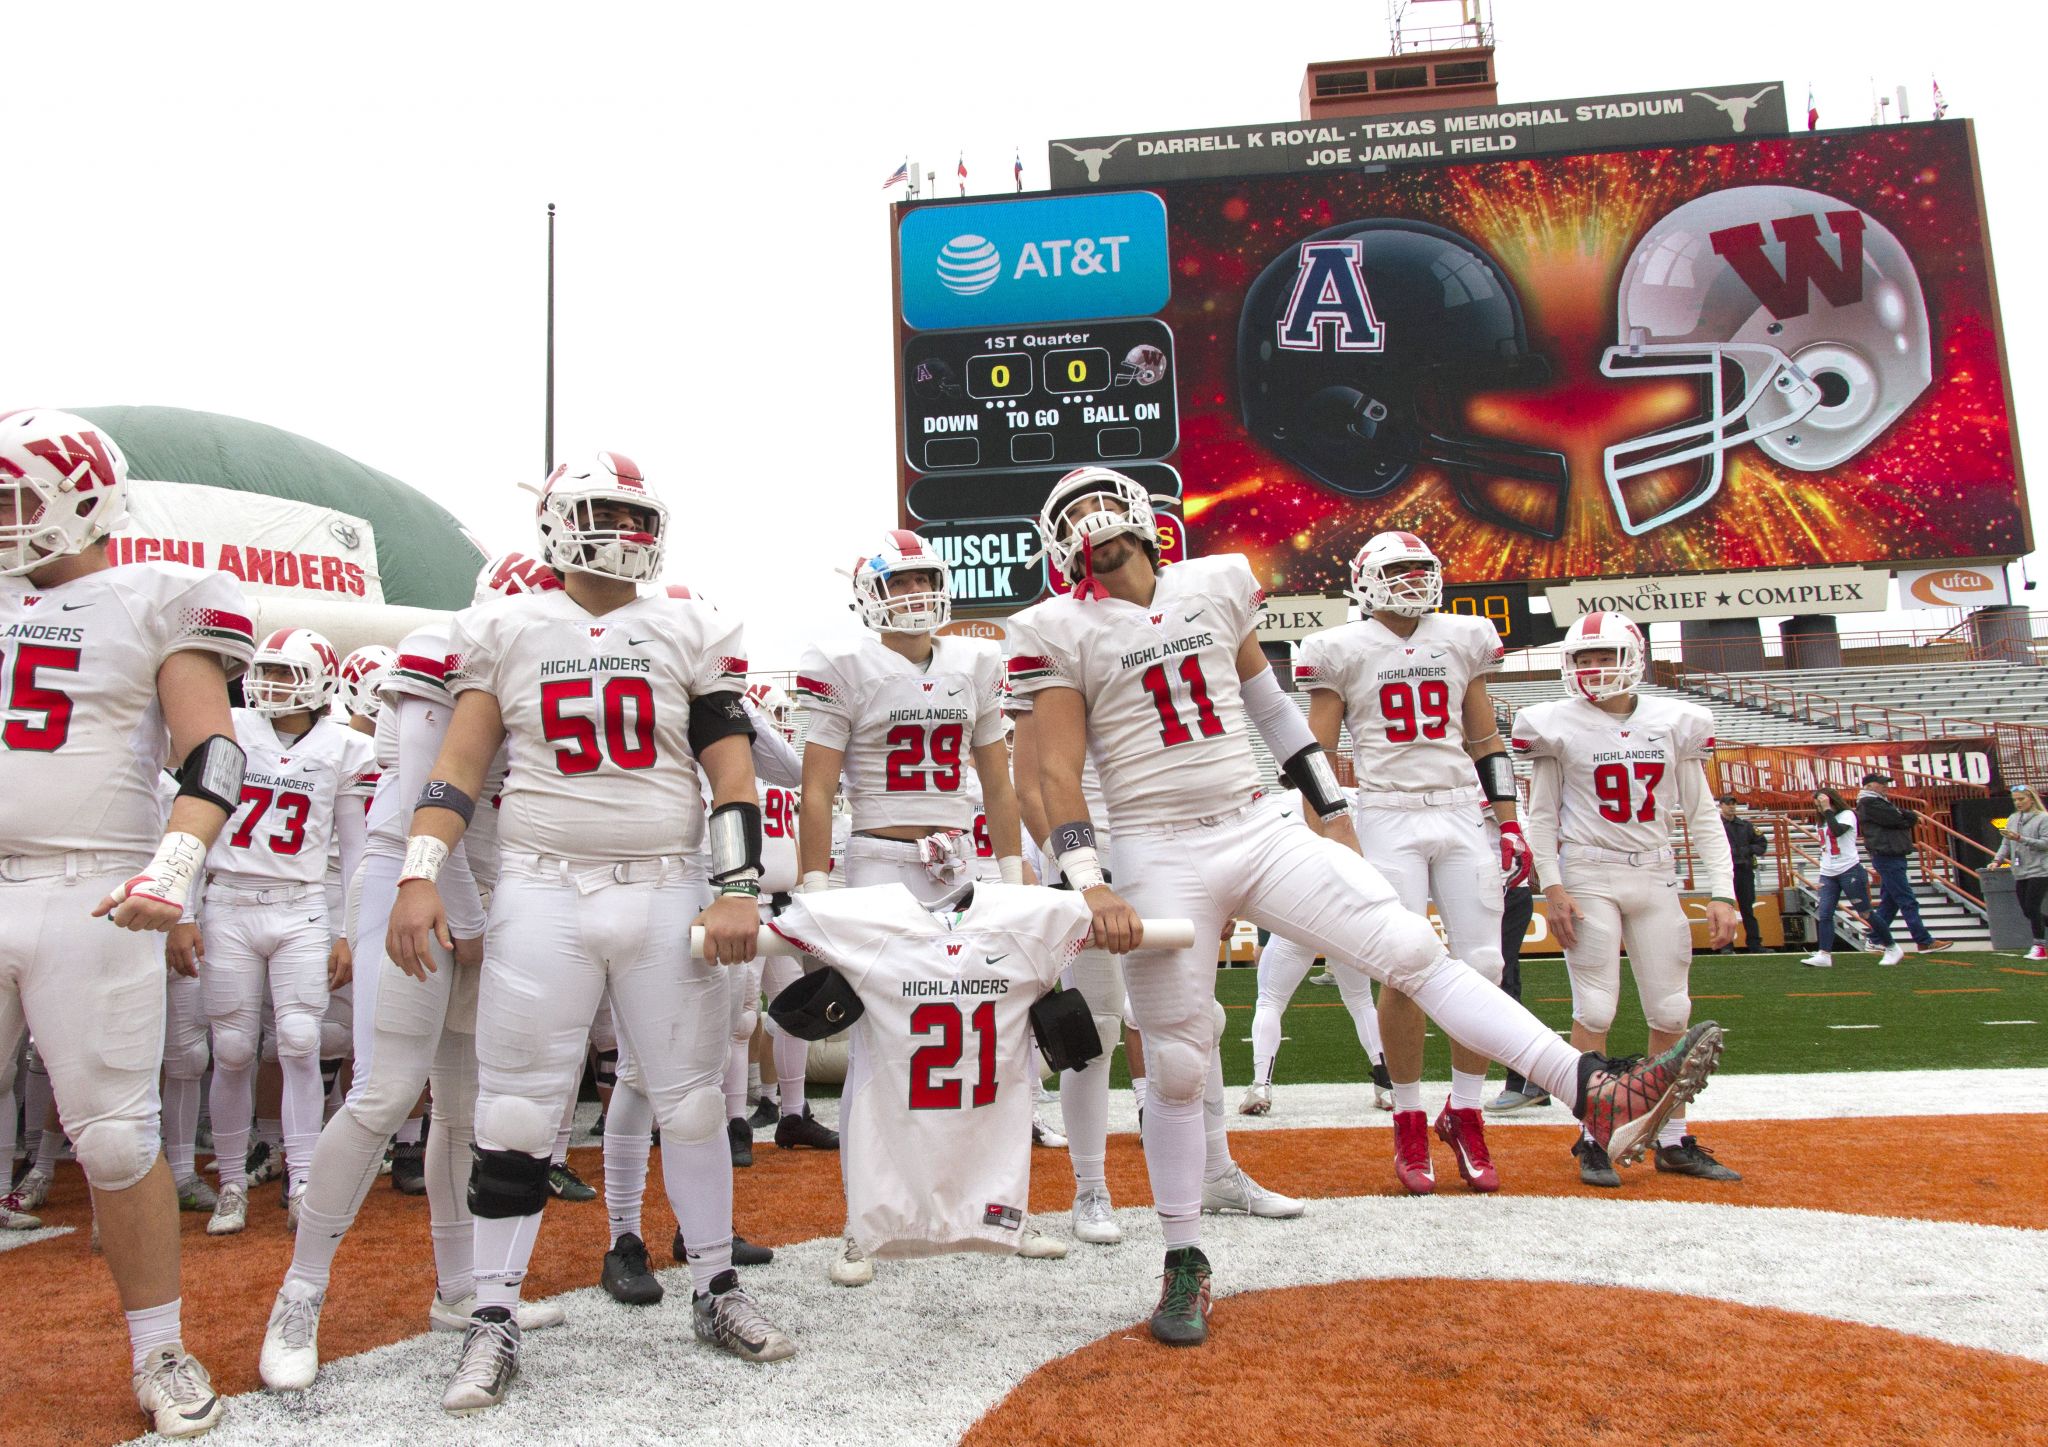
{"type": "Point", "coordinates": [1468, 133]}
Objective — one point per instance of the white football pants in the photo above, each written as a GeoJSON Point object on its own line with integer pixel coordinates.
{"type": "Point", "coordinates": [1637, 907]}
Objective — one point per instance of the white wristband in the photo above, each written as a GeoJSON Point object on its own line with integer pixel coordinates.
{"type": "Point", "coordinates": [1081, 869]}
{"type": "Point", "coordinates": [424, 856]}
{"type": "Point", "coordinates": [1011, 867]}
{"type": "Point", "coordinates": [168, 876]}
{"type": "Point", "coordinates": [813, 881]}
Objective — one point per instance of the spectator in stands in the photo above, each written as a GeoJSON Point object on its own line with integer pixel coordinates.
{"type": "Point", "coordinates": [1745, 847]}
{"type": "Point", "coordinates": [2025, 851]}
{"type": "Point", "coordinates": [1841, 872]}
{"type": "Point", "coordinates": [1887, 829]}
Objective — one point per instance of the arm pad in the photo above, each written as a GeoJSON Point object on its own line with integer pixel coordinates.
{"type": "Point", "coordinates": [1310, 772]}
{"type": "Point", "coordinates": [1496, 778]}
{"type": "Point", "coordinates": [1276, 718]}
{"type": "Point", "coordinates": [440, 794]}
{"type": "Point", "coordinates": [213, 772]}
{"type": "Point", "coordinates": [1064, 1029]}
{"type": "Point", "coordinates": [715, 716]}
{"type": "Point", "coordinates": [735, 842]}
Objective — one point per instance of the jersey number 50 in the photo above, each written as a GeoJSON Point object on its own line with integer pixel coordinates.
{"type": "Point", "coordinates": [630, 745]}
{"type": "Point", "coordinates": [944, 1054]}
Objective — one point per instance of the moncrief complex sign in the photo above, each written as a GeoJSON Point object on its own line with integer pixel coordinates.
{"type": "Point", "coordinates": [1725, 595]}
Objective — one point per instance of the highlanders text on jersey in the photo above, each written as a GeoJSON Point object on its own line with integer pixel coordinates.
{"type": "Point", "coordinates": [935, 1121]}
{"type": "Point", "coordinates": [1165, 724]}
{"type": "Point", "coordinates": [1619, 774]}
{"type": "Point", "coordinates": [1404, 698]}
{"type": "Point", "coordinates": [82, 738]}
{"type": "Point", "coordinates": [280, 831]}
{"type": "Point", "coordinates": [597, 717]}
{"type": "Point", "coordinates": [907, 732]}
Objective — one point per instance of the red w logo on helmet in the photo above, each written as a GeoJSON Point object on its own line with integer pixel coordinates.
{"type": "Point", "coordinates": [82, 460]}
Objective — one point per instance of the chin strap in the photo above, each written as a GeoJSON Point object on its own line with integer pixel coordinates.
{"type": "Point", "coordinates": [1089, 587]}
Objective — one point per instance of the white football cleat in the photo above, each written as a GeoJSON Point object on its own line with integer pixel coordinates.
{"type": "Point", "coordinates": [490, 1360]}
{"type": "Point", "coordinates": [853, 1267]}
{"type": "Point", "coordinates": [175, 1393]}
{"type": "Point", "coordinates": [291, 1342]}
{"type": "Point", "coordinates": [1094, 1221]}
{"type": "Point", "coordinates": [13, 1220]}
{"type": "Point", "coordinates": [1045, 1135]}
{"type": "Point", "coordinates": [294, 1203]}
{"type": "Point", "coordinates": [1037, 1246]}
{"type": "Point", "coordinates": [1258, 1099]}
{"type": "Point", "coordinates": [1819, 960]}
{"type": "Point", "coordinates": [33, 1191]}
{"type": "Point", "coordinates": [1236, 1191]}
{"type": "Point", "coordinates": [1892, 955]}
{"type": "Point", "coordinates": [454, 1316]}
{"type": "Point", "coordinates": [733, 1322]}
{"type": "Point", "coordinates": [232, 1214]}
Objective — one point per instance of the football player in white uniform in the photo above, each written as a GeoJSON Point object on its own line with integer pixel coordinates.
{"type": "Point", "coordinates": [107, 672]}
{"type": "Point", "coordinates": [1098, 976]}
{"type": "Point", "coordinates": [409, 1031]}
{"type": "Point", "coordinates": [357, 701]}
{"type": "Point", "coordinates": [1409, 684]}
{"type": "Point", "coordinates": [262, 920]}
{"type": "Point", "coordinates": [1155, 672]}
{"type": "Point", "coordinates": [1610, 768]}
{"type": "Point", "coordinates": [611, 701]}
{"type": "Point", "coordinates": [899, 720]}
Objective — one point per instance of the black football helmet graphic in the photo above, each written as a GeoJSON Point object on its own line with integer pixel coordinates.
{"type": "Point", "coordinates": [932, 380]}
{"type": "Point", "coordinates": [1358, 349]}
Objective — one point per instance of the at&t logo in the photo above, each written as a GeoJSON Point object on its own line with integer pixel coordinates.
{"type": "Point", "coordinates": [969, 265]}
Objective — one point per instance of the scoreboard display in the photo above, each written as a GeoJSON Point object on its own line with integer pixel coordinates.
{"type": "Point", "coordinates": [1061, 397]}
{"type": "Point", "coordinates": [1485, 351]}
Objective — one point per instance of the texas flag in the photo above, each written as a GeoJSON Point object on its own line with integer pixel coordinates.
{"type": "Point", "coordinates": [1020, 171]}
{"type": "Point", "coordinates": [1812, 115]}
{"type": "Point", "coordinates": [963, 173]}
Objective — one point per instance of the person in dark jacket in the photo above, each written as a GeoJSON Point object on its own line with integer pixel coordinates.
{"type": "Point", "coordinates": [1745, 848]}
{"type": "Point", "coordinates": [1887, 830]}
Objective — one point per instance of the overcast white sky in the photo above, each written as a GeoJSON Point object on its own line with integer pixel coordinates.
{"type": "Point", "coordinates": [330, 218]}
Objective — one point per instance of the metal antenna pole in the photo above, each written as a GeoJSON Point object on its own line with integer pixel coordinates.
{"type": "Point", "coordinates": [551, 344]}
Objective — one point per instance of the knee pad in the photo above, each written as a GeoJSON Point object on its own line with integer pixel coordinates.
{"type": "Point", "coordinates": [504, 1184]}
{"type": "Point", "coordinates": [337, 1040]}
{"type": "Point", "coordinates": [1217, 1021]}
{"type": "Point", "coordinates": [380, 1106]}
{"type": "Point", "coordinates": [1408, 949]}
{"type": "Point", "coordinates": [298, 1034]}
{"type": "Point", "coordinates": [607, 1068]}
{"type": "Point", "coordinates": [234, 1048]}
{"type": "Point", "coordinates": [743, 1026]}
{"type": "Point", "coordinates": [698, 1116]}
{"type": "Point", "coordinates": [188, 1062]}
{"type": "Point", "coordinates": [1489, 964]}
{"type": "Point", "coordinates": [1177, 1069]}
{"type": "Point", "coordinates": [1111, 1029]}
{"type": "Point", "coordinates": [516, 1124]}
{"type": "Point", "coordinates": [115, 1154]}
{"type": "Point", "coordinates": [1670, 1012]}
{"type": "Point", "coordinates": [1594, 1009]}
{"type": "Point", "coordinates": [269, 1047]}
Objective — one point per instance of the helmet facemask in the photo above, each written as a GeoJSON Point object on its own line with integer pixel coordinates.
{"type": "Point", "coordinates": [307, 674]}
{"type": "Point", "coordinates": [923, 610]}
{"type": "Point", "coordinates": [1073, 532]}
{"type": "Point", "coordinates": [1410, 588]}
{"type": "Point", "coordinates": [66, 482]}
{"type": "Point", "coordinates": [578, 543]}
{"type": "Point", "coordinates": [1597, 683]}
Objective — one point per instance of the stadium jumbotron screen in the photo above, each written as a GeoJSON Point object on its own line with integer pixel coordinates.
{"type": "Point", "coordinates": [1748, 354]}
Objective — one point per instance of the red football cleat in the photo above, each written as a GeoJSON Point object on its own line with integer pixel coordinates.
{"type": "Point", "coordinates": [1411, 1153]}
{"type": "Point", "coordinates": [1465, 1133]}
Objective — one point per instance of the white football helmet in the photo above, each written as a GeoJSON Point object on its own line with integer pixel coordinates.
{"type": "Point", "coordinates": [1801, 315]}
{"type": "Point", "coordinates": [68, 484]}
{"type": "Point", "coordinates": [362, 674]}
{"type": "Point", "coordinates": [510, 574]}
{"type": "Point", "coordinates": [775, 706]}
{"type": "Point", "coordinates": [312, 673]}
{"type": "Point", "coordinates": [1386, 578]}
{"type": "Point", "coordinates": [1142, 366]}
{"type": "Point", "coordinates": [1604, 630]}
{"type": "Point", "coordinates": [570, 538]}
{"type": "Point", "coordinates": [1070, 534]}
{"type": "Point", "coordinates": [903, 551]}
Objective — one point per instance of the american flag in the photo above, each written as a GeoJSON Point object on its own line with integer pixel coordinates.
{"type": "Point", "coordinates": [901, 173]}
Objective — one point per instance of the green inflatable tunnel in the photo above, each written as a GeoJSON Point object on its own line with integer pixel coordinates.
{"type": "Point", "coordinates": [426, 559]}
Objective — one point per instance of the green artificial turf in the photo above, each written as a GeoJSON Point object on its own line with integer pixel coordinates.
{"type": "Point", "coordinates": [1780, 1023]}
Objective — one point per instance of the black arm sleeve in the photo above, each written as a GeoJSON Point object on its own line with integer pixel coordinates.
{"type": "Point", "coordinates": [717, 716]}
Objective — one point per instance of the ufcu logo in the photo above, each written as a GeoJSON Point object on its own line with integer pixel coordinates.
{"type": "Point", "coordinates": [1331, 308]}
{"type": "Point", "coordinates": [1806, 261]}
